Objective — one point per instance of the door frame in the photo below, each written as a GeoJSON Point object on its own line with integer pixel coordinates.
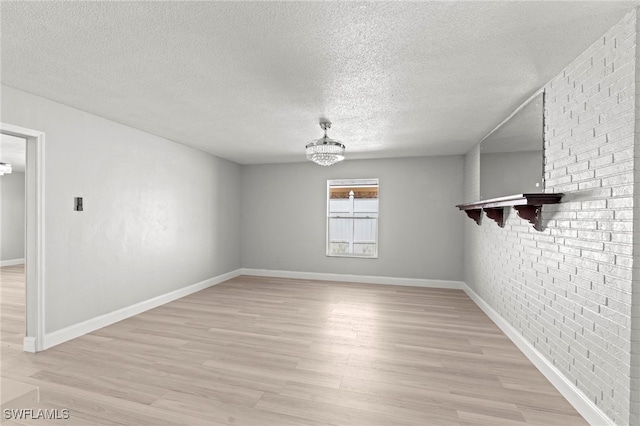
{"type": "Point", "coordinates": [34, 235]}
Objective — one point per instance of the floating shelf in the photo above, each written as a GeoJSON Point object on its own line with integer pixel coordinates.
{"type": "Point", "coordinates": [528, 207]}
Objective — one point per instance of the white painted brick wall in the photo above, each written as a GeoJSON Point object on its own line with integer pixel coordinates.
{"type": "Point", "coordinates": [625, 259]}
{"type": "Point", "coordinates": [568, 289]}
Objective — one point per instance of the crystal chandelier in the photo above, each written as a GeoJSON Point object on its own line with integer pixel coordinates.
{"type": "Point", "coordinates": [325, 151]}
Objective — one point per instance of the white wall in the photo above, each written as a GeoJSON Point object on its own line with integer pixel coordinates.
{"type": "Point", "coordinates": [12, 216]}
{"type": "Point", "coordinates": [634, 417]}
{"type": "Point", "coordinates": [284, 211]}
{"type": "Point", "coordinates": [568, 289]}
{"type": "Point", "coordinates": [158, 216]}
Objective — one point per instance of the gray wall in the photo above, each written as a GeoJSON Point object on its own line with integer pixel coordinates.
{"type": "Point", "coordinates": [568, 289]}
{"type": "Point", "coordinates": [12, 217]}
{"type": "Point", "coordinates": [158, 216]}
{"type": "Point", "coordinates": [420, 230]}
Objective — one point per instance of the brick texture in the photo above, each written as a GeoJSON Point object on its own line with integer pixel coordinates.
{"type": "Point", "coordinates": [634, 374]}
{"type": "Point", "coordinates": [568, 289]}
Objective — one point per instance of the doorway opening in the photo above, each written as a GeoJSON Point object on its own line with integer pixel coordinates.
{"type": "Point", "coordinates": [12, 241]}
{"type": "Point", "coordinates": [34, 235]}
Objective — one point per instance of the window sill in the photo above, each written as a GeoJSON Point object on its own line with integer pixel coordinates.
{"type": "Point", "coordinates": [358, 256]}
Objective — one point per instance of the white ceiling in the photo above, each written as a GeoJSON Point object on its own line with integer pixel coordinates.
{"type": "Point", "coordinates": [248, 80]}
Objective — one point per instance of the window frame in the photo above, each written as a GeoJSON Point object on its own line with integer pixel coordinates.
{"type": "Point", "coordinates": [347, 183]}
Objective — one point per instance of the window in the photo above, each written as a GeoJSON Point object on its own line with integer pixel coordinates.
{"type": "Point", "coordinates": [352, 218]}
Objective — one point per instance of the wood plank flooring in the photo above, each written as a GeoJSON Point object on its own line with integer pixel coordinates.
{"type": "Point", "coordinates": [266, 351]}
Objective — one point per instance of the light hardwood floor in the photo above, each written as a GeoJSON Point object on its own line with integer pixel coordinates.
{"type": "Point", "coordinates": [265, 351]}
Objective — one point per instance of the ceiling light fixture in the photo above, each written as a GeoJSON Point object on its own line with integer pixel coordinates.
{"type": "Point", "coordinates": [325, 151]}
{"type": "Point", "coordinates": [5, 168]}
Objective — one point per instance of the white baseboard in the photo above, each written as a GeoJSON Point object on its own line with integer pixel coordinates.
{"type": "Point", "coordinates": [80, 329]}
{"type": "Point", "coordinates": [368, 279]}
{"type": "Point", "coordinates": [11, 262]}
{"type": "Point", "coordinates": [29, 344]}
{"type": "Point", "coordinates": [580, 401]}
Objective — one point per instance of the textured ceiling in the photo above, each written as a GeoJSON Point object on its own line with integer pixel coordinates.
{"type": "Point", "coordinates": [248, 80]}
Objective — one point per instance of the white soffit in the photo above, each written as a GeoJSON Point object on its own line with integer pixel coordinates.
{"type": "Point", "coordinates": [247, 81]}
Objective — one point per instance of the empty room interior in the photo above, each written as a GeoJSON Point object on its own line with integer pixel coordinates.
{"type": "Point", "coordinates": [320, 213]}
